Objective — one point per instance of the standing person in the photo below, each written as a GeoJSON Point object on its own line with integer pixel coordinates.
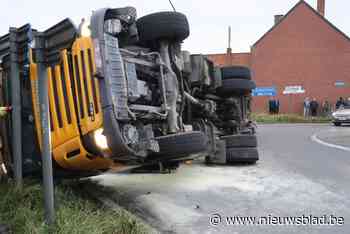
{"type": "Point", "coordinates": [4, 111]}
{"type": "Point", "coordinates": [314, 107]}
{"type": "Point", "coordinates": [347, 103]}
{"type": "Point", "coordinates": [277, 104]}
{"type": "Point", "coordinates": [271, 104]}
{"type": "Point", "coordinates": [306, 107]}
{"type": "Point", "coordinates": [326, 109]}
{"type": "Point", "coordinates": [339, 103]}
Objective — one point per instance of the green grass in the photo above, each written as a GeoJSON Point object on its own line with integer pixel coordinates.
{"type": "Point", "coordinates": [287, 118]}
{"type": "Point", "coordinates": [23, 212]}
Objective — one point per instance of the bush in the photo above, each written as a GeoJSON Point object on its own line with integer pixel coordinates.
{"type": "Point", "coordinates": [287, 118]}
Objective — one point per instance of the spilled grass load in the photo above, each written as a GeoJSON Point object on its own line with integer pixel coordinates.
{"type": "Point", "coordinates": [23, 212]}
{"type": "Point", "coordinates": [287, 118]}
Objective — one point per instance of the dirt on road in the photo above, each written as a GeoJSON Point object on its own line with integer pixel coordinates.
{"type": "Point", "coordinates": [295, 177]}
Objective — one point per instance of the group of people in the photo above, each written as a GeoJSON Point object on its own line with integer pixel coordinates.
{"type": "Point", "coordinates": [313, 108]}
{"type": "Point", "coordinates": [274, 106]}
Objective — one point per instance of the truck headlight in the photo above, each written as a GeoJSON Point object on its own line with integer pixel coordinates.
{"type": "Point", "coordinates": [100, 139]}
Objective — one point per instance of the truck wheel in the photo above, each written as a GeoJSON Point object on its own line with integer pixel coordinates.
{"type": "Point", "coordinates": [236, 72]}
{"type": "Point", "coordinates": [163, 25]}
{"type": "Point", "coordinates": [240, 141]}
{"type": "Point", "coordinates": [337, 124]}
{"type": "Point", "coordinates": [235, 86]}
{"type": "Point", "coordinates": [181, 145]}
{"type": "Point", "coordinates": [242, 155]}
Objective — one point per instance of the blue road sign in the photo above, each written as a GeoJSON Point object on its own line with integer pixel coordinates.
{"type": "Point", "coordinates": [264, 91]}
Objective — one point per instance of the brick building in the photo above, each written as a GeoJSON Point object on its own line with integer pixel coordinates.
{"type": "Point", "coordinates": [302, 49]}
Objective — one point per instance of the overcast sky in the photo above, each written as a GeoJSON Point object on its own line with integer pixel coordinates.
{"type": "Point", "coordinates": [209, 20]}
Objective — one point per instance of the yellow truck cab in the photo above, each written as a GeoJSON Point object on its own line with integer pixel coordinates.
{"type": "Point", "coordinates": [116, 95]}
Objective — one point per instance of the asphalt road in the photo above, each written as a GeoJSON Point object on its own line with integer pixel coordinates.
{"type": "Point", "coordinates": [295, 176]}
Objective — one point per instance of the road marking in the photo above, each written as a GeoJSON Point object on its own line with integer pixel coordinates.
{"type": "Point", "coordinates": [319, 141]}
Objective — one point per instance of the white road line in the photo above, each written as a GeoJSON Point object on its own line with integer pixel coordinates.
{"type": "Point", "coordinates": [319, 141]}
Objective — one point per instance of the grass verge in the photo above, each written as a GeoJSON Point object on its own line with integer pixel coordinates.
{"type": "Point", "coordinates": [23, 212]}
{"type": "Point", "coordinates": [287, 118]}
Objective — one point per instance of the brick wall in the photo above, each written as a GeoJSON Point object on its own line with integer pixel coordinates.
{"type": "Point", "coordinates": [243, 59]}
{"type": "Point", "coordinates": [302, 50]}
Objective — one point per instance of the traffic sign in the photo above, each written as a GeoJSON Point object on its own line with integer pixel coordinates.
{"type": "Point", "coordinates": [296, 89]}
{"type": "Point", "coordinates": [339, 84]}
{"type": "Point", "coordinates": [264, 91]}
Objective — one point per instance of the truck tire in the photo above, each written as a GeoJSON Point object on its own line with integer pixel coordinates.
{"type": "Point", "coordinates": [163, 25]}
{"type": "Point", "coordinates": [236, 72]}
{"type": "Point", "coordinates": [181, 145]}
{"type": "Point", "coordinates": [242, 155]}
{"type": "Point", "coordinates": [240, 141]}
{"type": "Point", "coordinates": [235, 86]}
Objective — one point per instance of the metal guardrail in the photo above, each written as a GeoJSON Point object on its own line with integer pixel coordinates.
{"type": "Point", "coordinates": [15, 51]}
{"type": "Point", "coordinates": [16, 47]}
{"type": "Point", "coordinates": [22, 37]}
{"type": "Point", "coordinates": [59, 37]}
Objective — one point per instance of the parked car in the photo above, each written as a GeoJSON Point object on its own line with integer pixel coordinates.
{"type": "Point", "coordinates": [341, 115]}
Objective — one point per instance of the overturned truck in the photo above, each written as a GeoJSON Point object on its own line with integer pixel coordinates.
{"type": "Point", "coordinates": [122, 94]}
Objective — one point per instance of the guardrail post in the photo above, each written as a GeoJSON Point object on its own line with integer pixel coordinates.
{"type": "Point", "coordinates": [41, 61]}
{"type": "Point", "coordinates": [16, 110]}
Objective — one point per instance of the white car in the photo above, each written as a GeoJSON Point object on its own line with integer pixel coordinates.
{"type": "Point", "coordinates": [342, 115]}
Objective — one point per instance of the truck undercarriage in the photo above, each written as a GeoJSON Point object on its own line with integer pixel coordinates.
{"type": "Point", "coordinates": [219, 102]}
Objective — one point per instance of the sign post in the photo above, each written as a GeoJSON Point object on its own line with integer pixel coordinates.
{"type": "Point", "coordinates": [41, 61]}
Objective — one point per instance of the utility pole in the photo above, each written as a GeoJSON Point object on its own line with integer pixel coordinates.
{"type": "Point", "coordinates": [229, 49]}
{"type": "Point", "coordinates": [41, 62]}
